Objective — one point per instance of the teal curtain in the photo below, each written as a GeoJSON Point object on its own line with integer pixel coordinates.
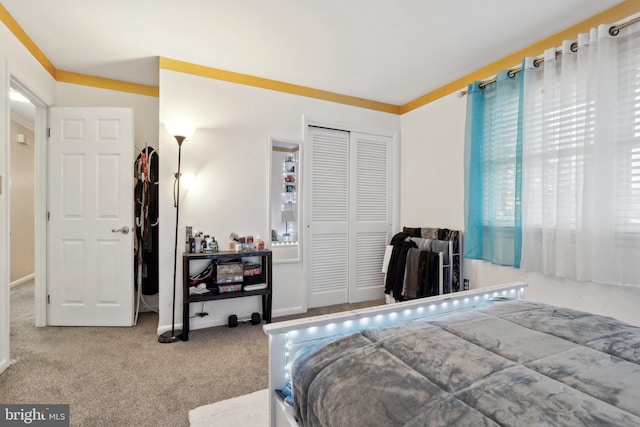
{"type": "Point", "coordinates": [493, 171]}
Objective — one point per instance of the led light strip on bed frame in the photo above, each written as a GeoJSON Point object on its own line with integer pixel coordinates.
{"type": "Point", "coordinates": [302, 331]}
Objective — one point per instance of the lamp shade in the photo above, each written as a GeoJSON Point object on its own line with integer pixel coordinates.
{"type": "Point", "coordinates": [176, 128]}
{"type": "Point", "coordinates": [288, 216]}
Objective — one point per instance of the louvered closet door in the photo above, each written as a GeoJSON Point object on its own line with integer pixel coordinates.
{"type": "Point", "coordinates": [369, 214]}
{"type": "Point", "coordinates": [327, 217]}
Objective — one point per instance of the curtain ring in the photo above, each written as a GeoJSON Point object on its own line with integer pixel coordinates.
{"type": "Point", "coordinates": [574, 47]}
{"type": "Point", "coordinates": [613, 31]}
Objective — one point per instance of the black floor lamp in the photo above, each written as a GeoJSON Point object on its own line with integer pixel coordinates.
{"type": "Point", "coordinates": [180, 132]}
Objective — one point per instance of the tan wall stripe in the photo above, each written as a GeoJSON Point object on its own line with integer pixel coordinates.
{"type": "Point", "coordinates": [246, 79]}
{"type": "Point", "coordinates": [103, 83]}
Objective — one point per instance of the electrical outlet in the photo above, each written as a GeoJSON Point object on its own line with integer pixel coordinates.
{"type": "Point", "coordinates": [466, 284]}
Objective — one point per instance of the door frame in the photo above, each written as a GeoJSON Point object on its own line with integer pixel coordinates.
{"type": "Point", "coordinates": [40, 214]}
{"type": "Point", "coordinates": [5, 255]}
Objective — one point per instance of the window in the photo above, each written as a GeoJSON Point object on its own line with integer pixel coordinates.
{"type": "Point", "coordinates": [492, 175]}
{"type": "Point", "coordinates": [559, 162]}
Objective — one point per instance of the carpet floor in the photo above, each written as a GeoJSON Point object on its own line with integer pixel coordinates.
{"type": "Point", "coordinates": [123, 376]}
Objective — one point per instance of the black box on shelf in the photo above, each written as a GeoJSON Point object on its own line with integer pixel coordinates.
{"type": "Point", "coordinates": [251, 269]}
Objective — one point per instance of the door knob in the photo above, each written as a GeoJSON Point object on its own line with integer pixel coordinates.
{"type": "Point", "coordinates": [123, 230]}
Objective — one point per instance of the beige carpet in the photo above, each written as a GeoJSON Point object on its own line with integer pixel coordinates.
{"type": "Point", "coordinates": [116, 377]}
{"type": "Point", "coordinates": [120, 377]}
{"type": "Point", "coordinates": [250, 410]}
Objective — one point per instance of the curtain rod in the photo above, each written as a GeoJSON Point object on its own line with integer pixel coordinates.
{"type": "Point", "coordinates": [614, 31]}
{"type": "Point", "coordinates": [616, 28]}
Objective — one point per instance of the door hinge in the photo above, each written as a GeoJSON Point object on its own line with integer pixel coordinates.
{"type": "Point", "coordinates": [48, 299]}
{"type": "Point", "coordinates": [48, 132]}
{"type": "Point", "coordinates": [48, 216]}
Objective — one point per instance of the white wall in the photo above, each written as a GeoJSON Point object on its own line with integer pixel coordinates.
{"type": "Point", "coordinates": [22, 203]}
{"type": "Point", "coordinates": [145, 108]}
{"type": "Point", "coordinates": [432, 195]}
{"type": "Point", "coordinates": [229, 153]}
{"type": "Point", "coordinates": [432, 186]}
{"type": "Point", "coordinates": [15, 60]}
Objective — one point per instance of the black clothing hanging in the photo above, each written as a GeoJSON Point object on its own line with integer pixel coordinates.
{"type": "Point", "coordinates": [146, 212]}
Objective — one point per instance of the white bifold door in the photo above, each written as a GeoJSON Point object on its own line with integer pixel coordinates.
{"type": "Point", "coordinates": [90, 236]}
{"type": "Point", "coordinates": [347, 214]}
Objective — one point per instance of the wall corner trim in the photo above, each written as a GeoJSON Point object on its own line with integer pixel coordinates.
{"type": "Point", "coordinates": [104, 83]}
{"type": "Point", "coordinates": [260, 82]}
{"type": "Point", "coordinates": [609, 16]}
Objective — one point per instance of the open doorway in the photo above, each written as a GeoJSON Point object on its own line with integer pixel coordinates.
{"type": "Point", "coordinates": [28, 116]}
{"type": "Point", "coordinates": [22, 187]}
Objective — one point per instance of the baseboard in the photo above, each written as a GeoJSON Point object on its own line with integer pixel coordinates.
{"type": "Point", "coordinates": [22, 280]}
{"type": "Point", "coordinates": [4, 364]}
{"type": "Point", "coordinates": [196, 324]}
{"type": "Point", "coordinates": [288, 311]}
{"type": "Point", "coordinates": [211, 322]}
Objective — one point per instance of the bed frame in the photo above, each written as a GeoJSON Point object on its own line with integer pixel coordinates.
{"type": "Point", "coordinates": [285, 338]}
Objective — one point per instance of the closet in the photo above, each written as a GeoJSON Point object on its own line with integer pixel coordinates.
{"type": "Point", "coordinates": [146, 221]}
{"type": "Point", "coordinates": [348, 214]}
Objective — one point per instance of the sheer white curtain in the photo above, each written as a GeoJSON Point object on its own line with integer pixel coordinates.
{"type": "Point", "coordinates": [581, 159]}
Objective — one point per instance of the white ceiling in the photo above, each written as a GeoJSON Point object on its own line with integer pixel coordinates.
{"type": "Point", "coordinates": [391, 51]}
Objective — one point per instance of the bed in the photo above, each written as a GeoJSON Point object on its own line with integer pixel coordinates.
{"type": "Point", "coordinates": [480, 357]}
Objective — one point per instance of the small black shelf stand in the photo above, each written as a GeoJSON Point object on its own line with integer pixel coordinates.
{"type": "Point", "coordinates": [266, 276]}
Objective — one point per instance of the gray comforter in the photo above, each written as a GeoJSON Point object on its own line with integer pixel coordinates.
{"type": "Point", "coordinates": [512, 363]}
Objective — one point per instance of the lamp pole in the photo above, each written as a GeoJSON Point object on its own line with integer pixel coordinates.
{"type": "Point", "coordinates": [173, 336]}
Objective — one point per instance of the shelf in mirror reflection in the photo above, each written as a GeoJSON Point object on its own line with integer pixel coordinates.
{"type": "Point", "coordinates": [278, 243]}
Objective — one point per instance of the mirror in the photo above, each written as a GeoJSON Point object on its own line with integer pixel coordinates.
{"type": "Point", "coordinates": [285, 196]}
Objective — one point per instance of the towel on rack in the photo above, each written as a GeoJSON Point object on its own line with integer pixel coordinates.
{"type": "Point", "coordinates": [387, 257]}
{"type": "Point", "coordinates": [411, 231]}
{"type": "Point", "coordinates": [441, 246]}
{"type": "Point", "coordinates": [412, 277]}
{"type": "Point", "coordinates": [429, 233]}
{"type": "Point", "coordinates": [394, 281]}
{"type": "Point", "coordinates": [429, 274]}
{"type": "Point", "coordinates": [423, 244]}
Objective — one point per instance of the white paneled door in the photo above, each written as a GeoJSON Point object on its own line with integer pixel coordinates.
{"type": "Point", "coordinates": [349, 215]}
{"type": "Point", "coordinates": [328, 217]}
{"type": "Point", "coordinates": [370, 214]}
{"type": "Point", "coordinates": [90, 238]}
